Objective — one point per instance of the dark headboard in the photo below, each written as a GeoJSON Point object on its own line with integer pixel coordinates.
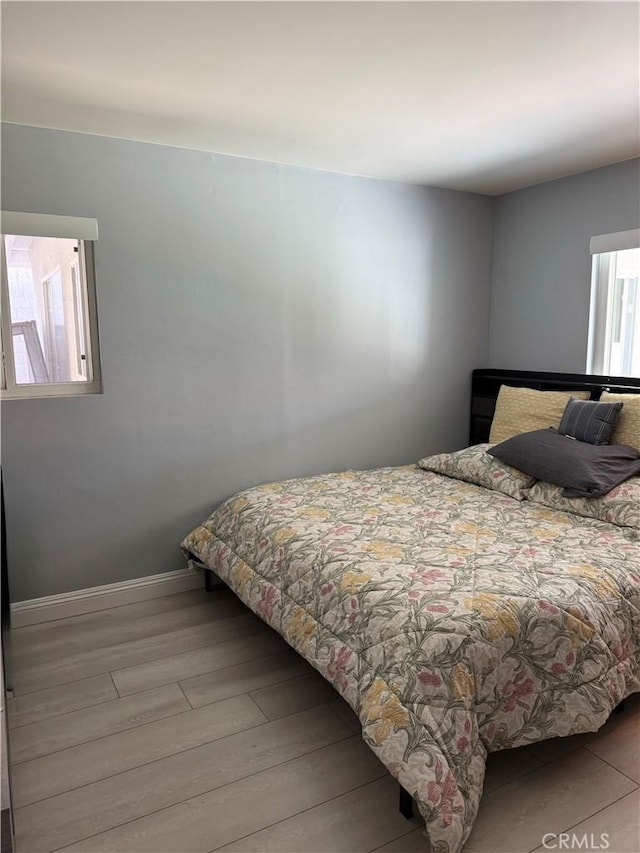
{"type": "Point", "coordinates": [486, 383]}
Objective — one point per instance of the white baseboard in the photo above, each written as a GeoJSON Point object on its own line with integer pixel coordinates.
{"type": "Point", "coordinates": [80, 601]}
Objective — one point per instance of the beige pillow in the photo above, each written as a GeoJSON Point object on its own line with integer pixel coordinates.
{"type": "Point", "coordinates": [627, 429]}
{"type": "Point", "coordinates": [525, 409]}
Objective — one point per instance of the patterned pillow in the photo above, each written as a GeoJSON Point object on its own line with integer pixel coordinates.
{"type": "Point", "coordinates": [627, 429]}
{"type": "Point", "coordinates": [620, 506]}
{"type": "Point", "coordinates": [586, 420]}
{"type": "Point", "coordinates": [474, 465]}
{"type": "Point", "coordinates": [525, 409]}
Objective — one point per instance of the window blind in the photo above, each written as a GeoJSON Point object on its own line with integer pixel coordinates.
{"type": "Point", "coordinates": [615, 242]}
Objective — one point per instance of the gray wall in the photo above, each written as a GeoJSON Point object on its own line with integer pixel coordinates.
{"type": "Point", "coordinates": [257, 322]}
{"type": "Point", "coordinates": [542, 266]}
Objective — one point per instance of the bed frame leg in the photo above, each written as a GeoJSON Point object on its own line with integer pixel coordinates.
{"type": "Point", "coordinates": [208, 583]}
{"type": "Point", "coordinates": [406, 803]}
{"type": "Point", "coordinates": [619, 708]}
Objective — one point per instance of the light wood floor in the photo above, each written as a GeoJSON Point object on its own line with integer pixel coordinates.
{"type": "Point", "coordinates": [185, 724]}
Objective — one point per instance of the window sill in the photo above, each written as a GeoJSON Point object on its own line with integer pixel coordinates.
{"type": "Point", "coordinates": [39, 392]}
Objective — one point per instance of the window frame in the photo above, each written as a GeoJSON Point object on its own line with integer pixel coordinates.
{"type": "Point", "coordinates": [79, 299]}
{"type": "Point", "coordinates": [603, 265]}
{"type": "Point", "coordinates": [10, 389]}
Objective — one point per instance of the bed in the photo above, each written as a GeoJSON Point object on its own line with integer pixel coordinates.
{"type": "Point", "coordinates": [460, 608]}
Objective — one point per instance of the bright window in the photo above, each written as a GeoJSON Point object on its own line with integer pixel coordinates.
{"type": "Point", "coordinates": [49, 323]}
{"type": "Point", "coordinates": [614, 326]}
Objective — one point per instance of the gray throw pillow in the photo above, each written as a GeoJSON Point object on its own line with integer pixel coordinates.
{"type": "Point", "coordinates": [584, 470]}
{"type": "Point", "coordinates": [589, 421]}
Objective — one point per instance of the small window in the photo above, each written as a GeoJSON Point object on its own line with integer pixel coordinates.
{"type": "Point", "coordinates": [49, 322]}
{"type": "Point", "coordinates": [614, 322]}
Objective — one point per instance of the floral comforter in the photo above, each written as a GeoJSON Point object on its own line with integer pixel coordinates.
{"type": "Point", "coordinates": [454, 619]}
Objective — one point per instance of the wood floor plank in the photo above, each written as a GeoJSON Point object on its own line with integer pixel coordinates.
{"type": "Point", "coordinates": [245, 806]}
{"type": "Point", "coordinates": [350, 823]}
{"type": "Point", "coordinates": [243, 677]}
{"type": "Point", "coordinates": [84, 664]}
{"type": "Point", "coordinates": [551, 799]}
{"type": "Point", "coordinates": [53, 701]}
{"type": "Point", "coordinates": [98, 759]}
{"type": "Point", "coordinates": [616, 828]}
{"type": "Point", "coordinates": [308, 690]}
{"type": "Point", "coordinates": [75, 815]}
{"type": "Point", "coordinates": [32, 636]}
{"type": "Point", "coordinates": [259, 642]}
{"type": "Point", "coordinates": [78, 727]}
{"type": "Point", "coordinates": [413, 842]}
{"type": "Point", "coordinates": [111, 628]}
{"type": "Point", "coordinates": [618, 742]}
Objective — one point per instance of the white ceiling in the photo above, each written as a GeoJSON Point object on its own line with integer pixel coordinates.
{"type": "Point", "coordinates": [481, 96]}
